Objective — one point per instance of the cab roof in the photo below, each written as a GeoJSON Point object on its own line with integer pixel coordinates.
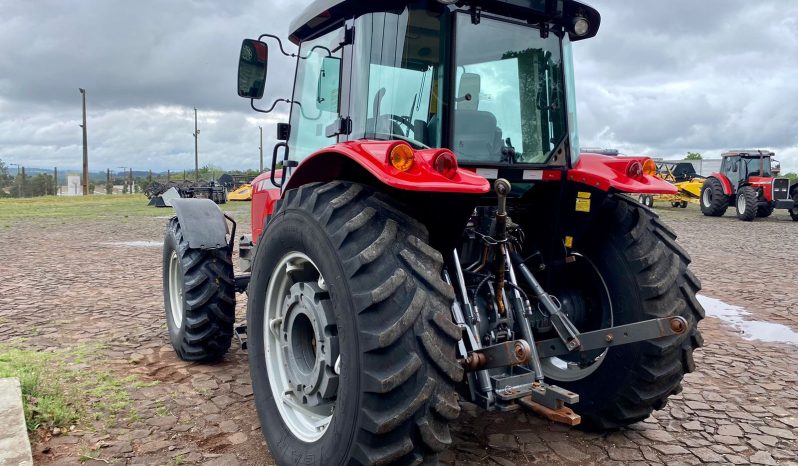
{"type": "Point", "coordinates": [321, 13]}
{"type": "Point", "coordinates": [748, 153]}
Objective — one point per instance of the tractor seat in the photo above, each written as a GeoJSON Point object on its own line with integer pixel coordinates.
{"type": "Point", "coordinates": [477, 136]}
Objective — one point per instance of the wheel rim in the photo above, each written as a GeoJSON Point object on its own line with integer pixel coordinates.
{"type": "Point", "coordinates": [567, 368]}
{"type": "Point", "coordinates": [707, 198]}
{"type": "Point", "coordinates": [176, 290]}
{"type": "Point", "coordinates": [741, 203]}
{"type": "Point", "coordinates": [301, 347]}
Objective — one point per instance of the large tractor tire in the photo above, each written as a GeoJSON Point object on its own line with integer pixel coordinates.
{"type": "Point", "coordinates": [646, 276]}
{"type": "Point", "coordinates": [746, 204]}
{"type": "Point", "coordinates": [765, 211]}
{"type": "Point", "coordinates": [794, 210]}
{"type": "Point", "coordinates": [714, 201]}
{"type": "Point", "coordinates": [199, 297]}
{"type": "Point", "coordinates": [352, 349]}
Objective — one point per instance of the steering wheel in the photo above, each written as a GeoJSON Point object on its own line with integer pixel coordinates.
{"type": "Point", "coordinates": [402, 120]}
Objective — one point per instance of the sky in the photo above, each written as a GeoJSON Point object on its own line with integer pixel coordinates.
{"type": "Point", "coordinates": [661, 78]}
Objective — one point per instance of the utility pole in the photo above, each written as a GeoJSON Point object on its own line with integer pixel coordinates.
{"type": "Point", "coordinates": [261, 148]}
{"type": "Point", "coordinates": [22, 184]}
{"type": "Point", "coordinates": [55, 181]}
{"type": "Point", "coordinates": [131, 181]}
{"type": "Point", "coordinates": [196, 147]}
{"type": "Point", "coordinates": [108, 182]}
{"type": "Point", "coordinates": [85, 147]}
{"type": "Point", "coordinates": [124, 171]}
{"type": "Point", "coordinates": [168, 175]}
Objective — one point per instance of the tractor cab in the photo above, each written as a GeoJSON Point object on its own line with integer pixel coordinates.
{"type": "Point", "coordinates": [739, 166]}
{"type": "Point", "coordinates": [491, 81]}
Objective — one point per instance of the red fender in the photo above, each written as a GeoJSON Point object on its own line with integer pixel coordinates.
{"type": "Point", "coordinates": [727, 187]}
{"type": "Point", "coordinates": [604, 172]}
{"type": "Point", "coordinates": [264, 196]}
{"type": "Point", "coordinates": [326, 164]}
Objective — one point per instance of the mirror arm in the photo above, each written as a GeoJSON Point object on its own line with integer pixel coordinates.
{"type": "Point", "coordinates": [279, 42]}
{"type": "Point", "coordinates": [271, 109]}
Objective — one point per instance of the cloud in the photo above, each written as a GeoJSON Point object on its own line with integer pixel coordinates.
{"type": "Point", "coordinates": [661, 78]}
{"type": "Point", "coordinates": [665, 78]}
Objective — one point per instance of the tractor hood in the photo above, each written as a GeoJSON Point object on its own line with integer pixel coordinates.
{"type": "Point", "coordinates": [322, 13]}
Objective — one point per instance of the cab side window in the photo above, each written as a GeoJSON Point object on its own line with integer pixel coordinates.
{"type": "Point", "coordinates": [316, 93]}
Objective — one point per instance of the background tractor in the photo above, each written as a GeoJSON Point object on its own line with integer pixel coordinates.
{"type": "Point", "coordinates": [434, 235]}
{"type": "Point", "coordinates": [747, 180]}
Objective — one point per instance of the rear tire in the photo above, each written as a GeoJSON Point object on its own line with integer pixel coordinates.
{"type": "Point", "coordinates": [199, 297]}
{"type": "Point", "coordinates": [683, 204]}
{"type": "Point", "coordinates": [714, 201]}
{"type": "Point", "coordinates": [746, 204]}
{"type": "Point", "coordinates": [396, 342]}
{"type": "Point", "coordinates": [647, 276]}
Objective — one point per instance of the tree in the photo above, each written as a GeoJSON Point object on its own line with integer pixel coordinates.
{"type": "Point", "coordinates": [109, 188]}
{"type": "Point", "coordinates": [92, 187]}
{"type": "Point", "coordinates": [791, 175]}
{"type": "Point", "coordinates": [693, 156]}
{"type": "Point", "coordinates": [5, 179]}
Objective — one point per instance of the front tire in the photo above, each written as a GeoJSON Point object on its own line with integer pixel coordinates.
{"type": "Point", "coordinates": [714, 201]}
{"type": "Point", "coordinates": [765, 211]}
{"type": "Point", "coordinates": [794, 210]}
{"type": "Point", "coordinates": [646, 274]}
{"type": "Point", "coordinates": [746, 204]}
{"type": "Point", "coordinates": [199, 297]}
{"type": "Point", "coordinates": [389, 311]}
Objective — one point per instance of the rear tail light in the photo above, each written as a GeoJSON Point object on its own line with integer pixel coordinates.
{"type": "Point", "coordinates": [634, 169]}
{"type": "Point", "coordinates": [402, 157]}
{"type": "Point", "coordinates": [650, 167]}
{"type": "Point", "coordinates": [445, 163]}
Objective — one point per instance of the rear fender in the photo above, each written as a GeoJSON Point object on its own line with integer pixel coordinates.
{"type": "Point", "coordinates": [372, 157]}
{"type": "Point", "coordinates": [202, 223]}
{"type": "Point", "coordinates": [727, 187]}
{"type": "Point", "coordinates": [610, 173]}
{"type": "Point", "coordinates": [264, 196]}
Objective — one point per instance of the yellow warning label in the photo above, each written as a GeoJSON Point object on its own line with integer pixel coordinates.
{"type": "Point", "coordinates": [583, 195]}
{"type": "Point", "coordinates": [583, 205]}
{"type": "Point", "coordinates": [569, 242]}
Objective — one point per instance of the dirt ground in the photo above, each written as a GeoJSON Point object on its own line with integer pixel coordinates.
{"type": "Point", "coordinates": [75, 282]}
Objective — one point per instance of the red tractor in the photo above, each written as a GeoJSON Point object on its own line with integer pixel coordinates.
{"type": "Point", "coordinates": [389, 281]}
{"type": "Point", "coordinates": [747, 180]}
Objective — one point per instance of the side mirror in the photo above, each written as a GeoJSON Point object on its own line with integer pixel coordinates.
{"type": "Point", "coordinates": [252, 66]}
{"type": "Point", "coordinates": [329, 85]}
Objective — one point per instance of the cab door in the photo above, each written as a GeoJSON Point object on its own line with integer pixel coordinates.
{"type": "Point", "coordinates": [316, 114]}
{"type": "Point", "coordinates": [733, 170]}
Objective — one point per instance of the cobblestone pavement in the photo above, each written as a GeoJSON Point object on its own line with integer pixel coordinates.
{"type": "Point", "coordinates": [68, 284]}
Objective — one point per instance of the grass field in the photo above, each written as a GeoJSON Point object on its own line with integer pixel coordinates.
{"type": "Point", "coordinates": [89, 207]}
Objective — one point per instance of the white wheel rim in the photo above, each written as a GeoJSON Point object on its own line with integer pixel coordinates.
{"type": "Point", "coordinates": [307, 423]}
{"type": "Point", "coordinates": [740, 203]}
{"type": "Point", "coordinates": [176, 290]}
{"type": "Point", "coordinates": [707, 198]}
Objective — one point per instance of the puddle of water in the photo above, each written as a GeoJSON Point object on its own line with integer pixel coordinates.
{"type": "Point", "coordinates": [751, 329]}
{"type": "Point", "coordinates": [135, 244]}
